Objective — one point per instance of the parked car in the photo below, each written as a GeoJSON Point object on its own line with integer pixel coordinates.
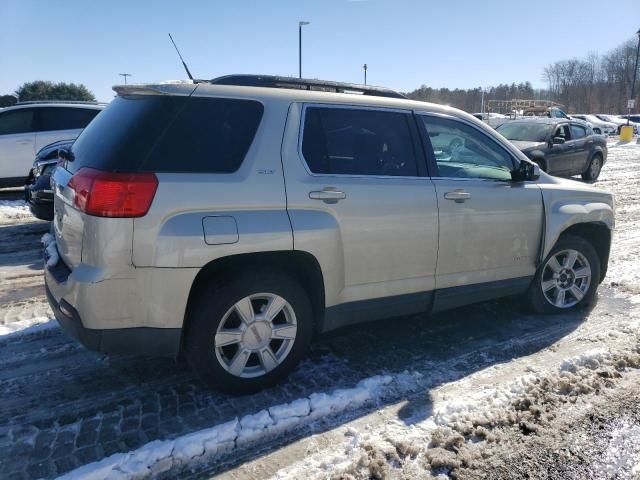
{"type": "Point", "coordinates": [619, 122]}
{"type": "Point", "coordinates": [27, 127]}
{"type": "Point", "coordinates": [231, 223]}
{"type": "Point", "coordinates": [558, 146]}
{"type": "Point", "coordinates": [633, 118]}
{"type": "Point", "coordinates": [37, 190]}
{"type": "Point", "coordinates": [598, 126]}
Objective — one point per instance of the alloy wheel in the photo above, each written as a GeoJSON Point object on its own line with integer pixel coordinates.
{"type": "Point", "coordinates": [255, 335]}
{"type": "Point", "coordinates": [566, 278]}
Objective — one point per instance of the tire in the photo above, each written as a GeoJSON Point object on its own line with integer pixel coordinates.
{"type": "Point", "coordinates": [595, 167]}
{"type": "Point", "coordinates": [218, 342]}
{"type": "Point", "coordinates": [550, 300]}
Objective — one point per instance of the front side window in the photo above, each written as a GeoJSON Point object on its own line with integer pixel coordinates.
{"type": "Point", "coordinates": [462, 151]}
{"type": "Point", "coordinates": [578, 131]}
{"type": "Point", "coordinates": [562, 131]}
{"type": "Point", "coordinates": [16, 121]}
{"type": "Point", "coordinates": [525, 131]}
{"type": "Point", "coordinates": [64, 118]}
{"type": "Point", "coordinates": [351, 141]}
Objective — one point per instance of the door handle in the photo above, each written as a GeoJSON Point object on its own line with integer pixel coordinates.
{"type": "Point", "coordinates": [458, 196]}
{"type": "Point", "coordinates": [327, 195]}
{"type": "Point", "coordinates": [24, 142]}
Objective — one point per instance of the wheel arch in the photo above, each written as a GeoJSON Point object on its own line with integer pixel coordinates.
{"type": "Point", "coordinates": [598, 235]}
{"type": "Point", "coordinates": [301, 265]}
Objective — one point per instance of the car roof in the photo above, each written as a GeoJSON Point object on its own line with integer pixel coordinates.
{"type": "Point", "coordinates": [267, 94]}
{"type": "Point", "coordinates": [547, 120]}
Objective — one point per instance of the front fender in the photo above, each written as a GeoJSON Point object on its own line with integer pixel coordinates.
{"type": "Point", "coordinates": [565, 208]}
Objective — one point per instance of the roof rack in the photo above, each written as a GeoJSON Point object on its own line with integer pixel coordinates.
{"type": "Point", "coordinates": [274, 81]}
{"type": "Point", "coordinates": [79, 102]}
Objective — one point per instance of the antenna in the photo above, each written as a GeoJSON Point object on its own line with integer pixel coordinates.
{"type": "Point", "coordinates": [182, 60]}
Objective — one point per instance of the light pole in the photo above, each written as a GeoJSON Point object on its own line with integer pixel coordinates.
{"type": "Point", "coordinates": [125, 75]}
{"type": "Point", "coordinates": [365, 73]}
{"type": "Point", "coordinates": [633, 85]}
{"type": "Point", "coordinates": [300, 25]}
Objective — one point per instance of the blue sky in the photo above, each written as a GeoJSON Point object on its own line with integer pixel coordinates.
{"type": "Point", "coordinates": [450, 43]}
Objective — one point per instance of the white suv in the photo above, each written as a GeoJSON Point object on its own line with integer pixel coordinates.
{"type": "Point", "coordinates": [27, 127]}
{"type": "Point", "coordinates": [231, 220]}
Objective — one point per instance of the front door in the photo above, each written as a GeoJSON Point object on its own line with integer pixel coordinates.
{"type": "Point", "coordinates": [560, 156]}
{"type": "Point", "coordinates": [360, 201]}
{"type": "Point", "coordinates": [490, 225]}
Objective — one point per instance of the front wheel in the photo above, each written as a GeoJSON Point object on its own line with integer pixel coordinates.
{"type": "Point", "coordinates": [567, 279]}
{"type": "Point", "coordinates": [250, 333]}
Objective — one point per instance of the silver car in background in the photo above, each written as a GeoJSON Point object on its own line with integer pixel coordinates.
{"type": "Point", "coordinates": [599, 126]}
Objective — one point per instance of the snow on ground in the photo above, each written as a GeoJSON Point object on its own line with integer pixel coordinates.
{"type": "Point", "coordinates": [160, 456]}
{"type": "Point", "coordinates": [31, 326]}
{"type": "Point", "coordinates": [11, 210]}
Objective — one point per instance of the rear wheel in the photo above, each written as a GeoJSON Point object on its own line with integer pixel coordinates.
{"type": "Point", "coordinates": [567, 279]}
{"type": "Point", "coordinates": [250, 333]}
{"type": "Point", "coordinates": [595, 166]}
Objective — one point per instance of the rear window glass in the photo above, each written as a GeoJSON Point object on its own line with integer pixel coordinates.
{"type": "Point", "coordinates": [169, 134]}
{"type": "Point", "coordinates": [62, 118]}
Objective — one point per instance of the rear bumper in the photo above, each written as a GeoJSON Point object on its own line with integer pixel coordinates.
{"type": "Point", "coordinates": [161, 342]}
{"type": "Point", "coordinates": [100, 313]}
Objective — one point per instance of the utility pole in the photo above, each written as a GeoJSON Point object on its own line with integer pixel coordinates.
{"type": "Point", "coordinates": [365, 73]}
{"type": "Point", "coordinates": [300, 25]}
{"type": "Point", "coordinates": [125, 75]}
{"type": "Point", "coordinates": [632, 101]}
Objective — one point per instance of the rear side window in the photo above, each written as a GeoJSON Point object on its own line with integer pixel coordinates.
{"type": "Point", "coordinates": [63, 118]}
{"type": "Point", "coordinates": [16, 121]}
{"type": "Point", "coordinates": [352, 141]}
{"type": "Point", "coordinates": [168, 134]}
{"type": "Point", "coordinates": [578, 131]}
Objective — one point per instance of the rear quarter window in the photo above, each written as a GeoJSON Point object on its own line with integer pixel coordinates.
{"type": "Point", "coordinates": [209, 135]}
{"type": "Point", "coordinates": [169, 134]}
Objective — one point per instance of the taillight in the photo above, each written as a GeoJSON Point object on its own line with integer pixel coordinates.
{"type": "Point", "coordinates": [107, 194]}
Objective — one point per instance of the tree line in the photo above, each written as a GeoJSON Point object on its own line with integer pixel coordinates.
{"type": "Point", "coordinates": [594, 84]}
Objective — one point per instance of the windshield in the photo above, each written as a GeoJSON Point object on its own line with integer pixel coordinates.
{"type": "Point", "coordinates": [525, 132]}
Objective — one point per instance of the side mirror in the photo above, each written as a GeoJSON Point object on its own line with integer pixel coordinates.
{"type": "Point", "coordinates": [558, 140]}
{"type": "Point", "coordinates": [526, 171]}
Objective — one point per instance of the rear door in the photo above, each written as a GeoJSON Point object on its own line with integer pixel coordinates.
{"type": "Point", "coordinates": [581, 145]}
{"type": "Point", "coordinates": [17, 142]}
{"type": "Point", "coordinates": [490, 225]}
{"type": "Point", "coordinates": [61, 123]}
{"type": "Point", "coordinates": [360, 201]}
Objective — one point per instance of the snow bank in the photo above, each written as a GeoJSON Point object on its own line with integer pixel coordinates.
{"type": "Point", "coordinates": [160, 456]}
{"type": "Point", "coordinates": [31, 326]}
{"type": "Point", "coordinates": [13, 209]}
